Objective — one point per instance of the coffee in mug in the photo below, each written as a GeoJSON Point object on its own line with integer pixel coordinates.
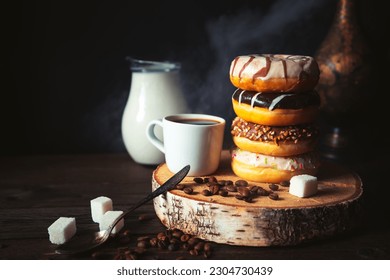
{"type": "Point", "coordinates": [194, 139]}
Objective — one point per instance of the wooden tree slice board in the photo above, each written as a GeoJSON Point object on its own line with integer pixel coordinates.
{"type": "Point", "coordinates": [290, 220]}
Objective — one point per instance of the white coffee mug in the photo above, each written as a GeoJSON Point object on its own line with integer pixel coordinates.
{"type": "Point", "coordinates": [194, 139]}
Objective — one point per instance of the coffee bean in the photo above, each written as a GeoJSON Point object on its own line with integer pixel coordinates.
{"type": "Point", "coordinates": [241, 183]}
{"type": "Point", "coordinates": [162, 236]}
{"type": "Point", "coordinates": [177, 233]}
{"type": "Point", "coordinates": [207, 246]}
{"type": "Point", "coordinates": [185, 237]}
{"type": "Point", "coordinates": [198, 180]}
{"type": "Point", "coordinates": [199, 246]}
{"type": "Point", "coordinates": [143, 244]}
{"type": "Point", "coordinates": [239, 197]}
{"type": "Point", "coordinates": [173, 247]}
{"type": "Point", "coordinates": [262, 192]}
{"type": "Point", "coordinates": [188, 190]}
{"type": "Point", "coordinates": [253, 189]}
{"type": "Point", "coordinates": [207, 254]}
{"type": "Point", "coordinates": [180, 186]}
{"type": "Point", "coordinates": [273, 187]}
{"type": "Point", "coordinates": [228, 182]}
{"type": "Point", "coordinates": [243, 191]}
{"type": "Point", "coordinates": [194, 252]}
{"type": "Point", "coordinates": [153, 242]}
{"type": "Point", "coordinates": [223, 193]}
{"type": "Point", "coordinates": [221, 182]}
{"type": "Point", "coordinates": [212, 179]}
{"type": "Point", "coordinates": [206, 192]}
{"type": "Point", "coordinates": [285, 183]}
{"type": "Point", "coordinates": [193, 241]}
{"type": "Point", "coordinates": [231, 188]}
{"type": "Point", "coordinates": [214, 189]}
{"type": "Point", "coordinates": [273, 196]}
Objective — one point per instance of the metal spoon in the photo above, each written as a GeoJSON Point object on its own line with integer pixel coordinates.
{"type": "Point", "coordinates": [84, 243]}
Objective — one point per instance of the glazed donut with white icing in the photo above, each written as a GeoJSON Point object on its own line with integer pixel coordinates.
{"type": "Point", "coordinates": [274, 72]}
{"type": "Point", "coordinates": [274, 140]}
{"type": "Point", "coordinates": [271, 108]}
{"type": "Point", "coordinates": [269, 169]}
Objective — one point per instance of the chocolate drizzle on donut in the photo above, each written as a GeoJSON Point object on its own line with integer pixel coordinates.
{"type": "Point", "coordinates": [266, 99]}
{"type": "Point", "coordinates": [263, 71]}
{"type": "Point", "coordinates": [276, 134]}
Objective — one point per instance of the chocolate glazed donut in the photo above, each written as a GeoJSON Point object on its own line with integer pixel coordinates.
{"type": "Point", "coordinates": [276, 109]}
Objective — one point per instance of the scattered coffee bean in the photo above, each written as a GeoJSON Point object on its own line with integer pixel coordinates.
{"type": "Point", "coordinates": [214, 189]}
{"type": "Point", "coordinates": [194, 252]}
{"type": "Point", "coordinates": [228, 182]}
{"type": "Point", "coordinates": [253, 189]}
{"type": "Point", "coordinates": [273, 196]}
{"type": "Point", "coordinates": [231, 188]}
{"type": "Point", "coordinates": [199, 246]}
{"type": "Point", "coordinates": [243, 191]}
{"type": "Point", "coordinates": [273, 187]}
{"type": "Point", "coordinates": [177, 233]}
{"type": "Point", "coordinates": [285, 183]}
{"type": "Point", "coordinates": [207, 192]}
{"type": "Point", "coordinates": [180, 186]}
{"type": "Point", "coordinates": [143, 244]}
{"type": "Point", "coordinates": [241, 183]}
{"type": "Point", "coordinates": [198, 180]}
{"type": "Point", "coordinates": [212, 179]}
{"type": "Point", "coordinates": [185, 237]}
{"type": "Point", "coordinates": [223, 193]}
{"type": "Point", "coordinates": [262, 192]}
{"type": "Point", "coordinates": [153, 242]}
{"type": "Point", "coordinates": [173, 246]}
{"type": "Point", "coordinates": [188, 190]}
{"type": "Point", "coordinates": [239, 197]}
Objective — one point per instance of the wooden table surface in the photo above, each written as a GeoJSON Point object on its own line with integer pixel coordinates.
{"type": "Point", "coordinates": [37, 189]}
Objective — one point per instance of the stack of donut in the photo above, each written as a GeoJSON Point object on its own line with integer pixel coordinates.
{"type": "Point", "coordinates": [274, 132]}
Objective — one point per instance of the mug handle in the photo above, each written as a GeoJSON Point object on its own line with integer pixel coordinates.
{"type": "Point", "coordinates": [152, 137]}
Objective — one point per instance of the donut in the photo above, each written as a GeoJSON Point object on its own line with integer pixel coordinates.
{"type": "Point", "coordinates": [257, 167]}
{"type": "Point", "coordinates": [274, 72]}
{"type": "Point", "coordinates": [271, 108]}
{"type": "Point", "coordinates": [274, 140]}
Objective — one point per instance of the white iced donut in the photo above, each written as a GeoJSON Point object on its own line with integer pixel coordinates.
{"type": "Point", "coordinates": [274, 72]}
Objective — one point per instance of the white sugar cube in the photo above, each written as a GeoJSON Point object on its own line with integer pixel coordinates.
{"type": "Point", "coordinates": [108, 218]}
{"type": "Point", "coordinates": [62, 230]}
{"type": "Point", "coordinates": [99, 206]}
{"type": "Point", "coordinates": [303, 185]}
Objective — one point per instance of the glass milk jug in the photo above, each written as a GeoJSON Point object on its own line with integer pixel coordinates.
{"type": "Point", "coordinates": [155, 92]}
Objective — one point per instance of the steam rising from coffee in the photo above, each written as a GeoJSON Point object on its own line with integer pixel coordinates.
{"type": "Point", "coordinates": [293, 27]}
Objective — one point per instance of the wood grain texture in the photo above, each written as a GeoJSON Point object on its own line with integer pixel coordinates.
{"type": "Point", "coordinates": [289, 220]}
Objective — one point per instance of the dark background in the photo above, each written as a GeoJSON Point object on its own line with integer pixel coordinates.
{"type": "Point", "coordinates": [65, 80]}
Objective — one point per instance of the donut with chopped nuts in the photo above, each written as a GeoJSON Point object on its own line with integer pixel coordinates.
{"type": "Point", "coordinates": [257, 167]}
{"type": "Point", "coordinates": [271, 108]}
{"type": "Point", "coordinates": [274, 72]}
{"type": "Point", "coordinates": [274, 140]}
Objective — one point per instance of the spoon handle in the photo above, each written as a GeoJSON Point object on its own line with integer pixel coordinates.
{"type": "Point", "coordinates": [167, 186]}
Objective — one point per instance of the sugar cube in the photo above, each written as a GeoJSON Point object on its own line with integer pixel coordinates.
{"type": "Point", "coordinates": [62, 230]}
{"type": "Point", "coordinates": [108, 218]}
{"type": "Point", "coordinates": [99, 206]}
{"type": "Point", "coordinates": [303, 185]}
